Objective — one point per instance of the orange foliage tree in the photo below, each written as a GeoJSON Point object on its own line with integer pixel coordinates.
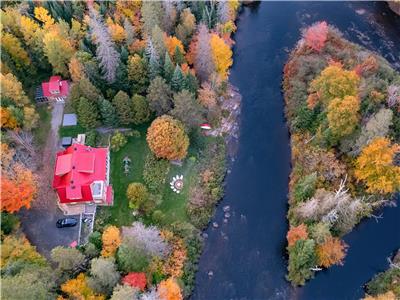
{"type": "Point", "coordinates": [174, 264]}
{"type": "Point", "coordinates": [316, 36]}
{"type": "Point", "coordinates": [111, 240]}
{"type": "Point", "coordinates": [136, 280]}
{"type": "Point", "coordinates": [169, 290]}
{"type": "Point", "coordinates": [79, 289]}
{"type": "Point", "coordinates": [7, 119]}
{"type": "Point", "coordinates": [171, 43]}
{"type": "Point", "coordinates": [375, 166]}
{"type": "Point", "coordinates": [222, 55]}
{"type": "Point", "coordinates": [207, 96]}
{"type": "Point", "coordinates": [297, 233]}
{"type": "Point", "coordinates": [18, 188]}
{"type": "Point", "coordinates": [167, 138]}
{"type": "Point", "coordinates": [331, 252]}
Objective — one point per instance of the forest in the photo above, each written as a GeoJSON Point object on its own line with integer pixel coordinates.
{"type": "Point", "coordinates": [143, 77]}
{"type": "Point", "coordinates": [343, 111]}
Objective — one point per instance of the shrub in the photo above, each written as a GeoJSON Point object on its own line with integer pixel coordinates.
{"type": "Point", "coordinates": [91, 138]}
{"type": "Point", "coordinates": [301, 259]}
{"type": "Point", "coordinates": [9, 222]}
{"type": "Point", "coordinates": [131, 258]}
{"type": "Point", "coordinates": [155, 172]}
{"type": "Point", "coordinates": [95, 239]}
{"type": "Point", "coordinates": [118, 140]}
{"type": "Point", "coordinates": [67, 259]}
{"type": "Point", "coordinates": [137, 194]}
{"type": "Point", "coordinates": [305, 187]}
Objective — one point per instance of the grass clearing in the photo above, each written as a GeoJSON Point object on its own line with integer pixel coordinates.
{"type": "Point", "coordinates": [41, 132]}
{"type": "Point", "coordinates": [71, 131]}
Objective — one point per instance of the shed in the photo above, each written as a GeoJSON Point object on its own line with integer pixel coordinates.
{"type": "Point", "coordinates": [70, 120]}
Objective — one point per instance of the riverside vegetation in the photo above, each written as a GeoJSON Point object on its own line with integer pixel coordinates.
{"type": "Point", "coordinates": [343, 112]}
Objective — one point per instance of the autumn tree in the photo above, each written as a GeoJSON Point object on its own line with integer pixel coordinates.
{"type": "Point", "coordinates": [136, 194]}
{"type": "Point", "coordinates": [111, 240]}
{"type": "Point", "coordinates": [331, 252]}
{"type": "Point", "coordinates": [335, 82]}
{"type": "Point", "coordinates": [343, 115]}
{"type": "Point", "coordinates": [12, 89]}
{"type": "Point", "coordinates": [169, 290]}
{"type": "Point", "coordinates": [78, 288]}
{"type": "Point", "coordinates": [297, 233]}
{"type": "Point", "coordinates": [117, 32]}
{"type": "Point", "coordinates": [186, 26]}
{"type": "Point", "coordinates": [67, 259]}
{"type": "Point", "coordinates": [105, 52]}
{"type": "Point", "coordinates": [175, 262]}
{"type": "Point", "coordinates": [159, 96]}
{"type": "Point", "coordinates": [76, 69]}
{"type": "Point", "coordinates": [123, 292]}
{"type": "Point", "coordinates": [375, 166]}
{"type": "Point", "coordinates": [204, 56]}
{"type": "Point", "coordinates": [43, 15]}
{"type": "Point", "coordinates": [122, 104]}
{"type": "Point", "coordinates": [154, 60]}
{"type": "Point", "coordinates": [136, 280]}
{"type": "Point", "coordinates": [187, 109]}
{"type": "Point", "coordinates": [7, 119]}
{"type": "Point", "coordinates": [137, 73]}
{"type": "Point", "coordinates": [140, 109]}
{"type": "Point", "coordinates": [18, 189]}
{"type": "Point", "coordinates": [58, 50]}
{"type": "Point", "coordinates": [108, 113]}
{"type": "Point", "coordinates": [13, 46]}
{"type": "Point", "coordinates": [316, 35]}
{"type": "Point", "coordinates": [118, 140]}
{"type": "Point", "coordinates": [171, 43]}
{"type": "Point", "coordinates": [87, 113]}
{"type": "Point", "coordinates": [158, 39]}
{"type": "Point", "coordinates": [207, 96]}
{"type": "Point", "coordinates": [151, 15]}
{"type": "Point", "coordinates": [167, 138]}
{"type": "Point", "coordinates": [222, 55]}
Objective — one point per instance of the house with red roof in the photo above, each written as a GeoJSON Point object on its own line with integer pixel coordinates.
{"type": "Point", "coordinates": [55, 89]}
{"type": "Point", "coordinates": [81, 176]}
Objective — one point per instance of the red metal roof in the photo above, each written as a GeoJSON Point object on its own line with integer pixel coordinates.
{"type": "Point", "coordinates": [55, 84]}
{"type": "Point", "coordinates": [76, 168]}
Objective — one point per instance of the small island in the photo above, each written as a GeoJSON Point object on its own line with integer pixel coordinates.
{"type": "Point", "coordinates": [343, 112]}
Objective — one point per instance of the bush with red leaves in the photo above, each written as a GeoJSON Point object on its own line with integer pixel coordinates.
{"type": "Point", "coordinates": [316, 36]}
{"type": "Point", "coordinates": [136, 280]}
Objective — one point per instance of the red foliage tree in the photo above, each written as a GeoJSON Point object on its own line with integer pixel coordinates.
{"type": "Point", "coordinates": [296, 233]}
{"type": "Point", "coordinates": [136, 280]}
{"type": "Point", "coordinates": [316, 36]}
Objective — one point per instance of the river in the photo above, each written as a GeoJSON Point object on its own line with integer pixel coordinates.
{"type": "Point", "coordinates": [247, 254]}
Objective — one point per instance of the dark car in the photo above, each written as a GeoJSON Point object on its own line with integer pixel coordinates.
{"type": "Point", "coordinates": [66, 222]}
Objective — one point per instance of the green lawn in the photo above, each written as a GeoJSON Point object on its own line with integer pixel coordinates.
{"type": "Point", "coordinates": [71, 131]}
{"type": "Point", "coordinates": [41, 132]}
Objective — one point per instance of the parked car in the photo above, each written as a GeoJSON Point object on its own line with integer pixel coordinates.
{"type": "Point", "coordinates": [66, 222]}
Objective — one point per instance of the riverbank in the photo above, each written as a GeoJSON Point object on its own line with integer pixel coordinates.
{"type": "Point", "coordinates": [342, 110]}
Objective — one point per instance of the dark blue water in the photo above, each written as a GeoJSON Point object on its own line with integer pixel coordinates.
{"type": "Point", "coordinates": [246, 255]}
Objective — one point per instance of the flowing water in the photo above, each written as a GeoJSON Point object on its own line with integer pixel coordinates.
{"type": "Point", "coordinates": [245, 257]}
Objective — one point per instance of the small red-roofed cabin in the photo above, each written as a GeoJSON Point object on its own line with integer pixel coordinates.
{"type": "Point", "coordinates": [81, 176]}
{"type": "Point", "coordinates": [55, 89]}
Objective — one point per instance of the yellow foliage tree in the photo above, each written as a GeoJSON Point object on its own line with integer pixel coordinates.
{"type": "Point", "coordinates": [11, 88]}
{"type": "Point", "coordinates": [13, 46]}
{"type": "Point", "coordinates": [171, 42]}
{"type": "Point", "coordinates": [31, 117]}
{"type": "Point", "coordinates": [58, 50]}
{"type": "Point", "coordinates": [222, 55]}
{"type": "Point", "coordinates": [169, 290]}
{"type": "Point", "coordinates": [43, 16]}
{"type": "Point", "coordinates": [75, 69]}
{"type": "Point", "coordinates": [15, 248]}
{"type": "Point", "coordinates": [117, 31]}
{"type": "Point", "coordinates": [343, 115]}
{"type": "Point", "coordinates": [386, 296]}
{"type": "Point", "coordinates": [29, 29]}
{"type": "Point", "coordinates": [174, 264]}
{"type": "Point", "coordinates": [335, 82]}
{"type": "Point", "coordinates": [111, 240]}
{"type": "Point", "coordinates": [79, 289]}
{"type": "Point", "coordinates": [7, 119]}
{"type": "Point", "coordinates": [375, 166]}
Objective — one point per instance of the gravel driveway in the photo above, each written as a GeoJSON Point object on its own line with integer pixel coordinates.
{"type": "Point", "coordinates": [39, 222]}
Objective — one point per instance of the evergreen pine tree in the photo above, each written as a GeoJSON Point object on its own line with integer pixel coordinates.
{"type": "Point", "coordinates": [168, 68]}
{"type": "Point", "coordinates": [190, 83]}
{"type": "Point", "coordinates": [87, 113]}
{"type": "Point", "coordinates": [108, 113]}
{"type": "Point", "coordinates": [179, 58]}
{"type": "Point", "coordinates": [177, 79]}
{"type": "Point", "coordinates": [122, 104]}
